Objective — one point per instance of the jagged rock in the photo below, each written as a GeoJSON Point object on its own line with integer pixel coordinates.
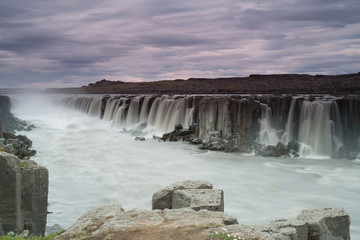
{"type": "Point", "coordinates": [197, 199]}
{"type": "Point", "coordinates": [319, 224]}
{"type": "Point", "coordinates": [277, 151]}
{"type": "Point", "coordinates": [178, 127]}
{"type": "Point", "coordinates": [23, 198]}
{"type": "Point", "coordinates": [111, 222]}
{"type": "Point", "coordinates": [14, 142]}
{"type": "Point", "coordinates": [163, 198]}
{"type": "Point", "coordinates": [139, 139]}
{"type": "Point", "coordinates": [293, 145]}
{"type": "Point", "coordinates": [25, 140]}
{"type": "Point", "coordinates": [8, 135]}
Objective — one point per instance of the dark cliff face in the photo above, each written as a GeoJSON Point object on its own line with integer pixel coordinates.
{"type": "Point", "coordinates": [313, 125]}
{"type": "Point", "coordinates": [7, 120]}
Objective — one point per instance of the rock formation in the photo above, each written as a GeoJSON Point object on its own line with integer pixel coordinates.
{"type": "Point", "coordinates": [112, 222]}
{"type": "Point", "coordinates": [319, 224]}
{"type": "Point", "coordinates": [23, 195]}
{"type": "Point", "coordinates": [8, 121]}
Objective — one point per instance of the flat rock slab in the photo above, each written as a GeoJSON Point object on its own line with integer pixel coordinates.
{"type": "Point", "coordinates": [162, 199]}
{"type": "Point", "coordinates": [197, 199]}
{"type": "Point", "coordinates": [111, 222]}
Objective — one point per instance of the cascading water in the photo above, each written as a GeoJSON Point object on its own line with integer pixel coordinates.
{"type": "Point", "coordinates": [316, 122]}
{"type": "Point", "coordinates": [268, 135]}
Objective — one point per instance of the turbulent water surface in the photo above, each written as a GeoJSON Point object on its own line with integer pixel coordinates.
{"type": "Point", "coordinates": [92, 164]}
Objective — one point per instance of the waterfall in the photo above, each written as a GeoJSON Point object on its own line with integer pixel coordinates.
{"type": "Point", "coordinates": [321, 125]}
{"type": "Point", "coordinates": [268, 134]}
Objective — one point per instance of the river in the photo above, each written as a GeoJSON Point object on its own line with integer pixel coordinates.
{"type": "Point", "coordinates": [92, 164]}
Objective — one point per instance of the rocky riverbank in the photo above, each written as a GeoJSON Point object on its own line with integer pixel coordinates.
{"type": "Point", "coordinates": [19, 145]}
{"type": "Point", "coordinates": [23, 184]}
{"type": "Point", "coordinates": [185, 210]}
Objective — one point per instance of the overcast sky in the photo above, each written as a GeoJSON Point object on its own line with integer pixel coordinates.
{"type": "Point", "coordinates": [66, 43]}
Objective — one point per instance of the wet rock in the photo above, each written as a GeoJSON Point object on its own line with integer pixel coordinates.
{"type": "Point", "coordinates": [179, 133]}
{"type": "Point", "coordinates": [293, 145]}
{"type": "Point", "coordinates": [197, 199]}
{"type": "Point", "coordinates": [178, 127]}
{"type": "Point", "coordinates": [278, 150]}
{"type": "Point", "coordinates": [163, 198]}
{"type": "Point", "coordinates": [139, 139]}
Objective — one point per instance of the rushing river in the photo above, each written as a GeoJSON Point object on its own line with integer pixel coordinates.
{"type": "Point", "coordinates": [92, 164]}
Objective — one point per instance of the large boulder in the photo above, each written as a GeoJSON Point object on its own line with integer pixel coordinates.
{"type": "Point", "coordinates": [163, 198]}
{"type": "Point", "coordinates": [197, 199]}
{"type": "Point", "coordinates": [319, 224]}
{"type": "Point", "coordinates": [327, 223]}
{"type": "Point", "coordinates": [10, 193]}
{"type": "Point", "coordinates": [111, 222]}
{"type": "Point", "coordinates": [23, 195]}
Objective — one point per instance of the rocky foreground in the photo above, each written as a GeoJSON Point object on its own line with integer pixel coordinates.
{"type": "Point", "coordinates": [254, 84]}
{"type": "Point", "coordinates": [190, 210]}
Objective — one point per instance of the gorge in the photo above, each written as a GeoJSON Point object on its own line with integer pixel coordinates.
{"type": "Point", "coordinates": [93, 161]}
{"type": "Point", "coordinates": [320, 125]}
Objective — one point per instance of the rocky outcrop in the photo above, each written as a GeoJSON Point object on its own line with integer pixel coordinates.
{"type": "Point", "coordinates": [319, 224]}
{"type": "Point", "coordinates": [23, 195]}
{"type": "Point", "coordinates": [8, 121]}
{"type": "Point", "coordinates": [112, 222]}
{"type": "Point", "coordinates": [19, 145]}
{"type": "Point", "coordinates": [163, 198]}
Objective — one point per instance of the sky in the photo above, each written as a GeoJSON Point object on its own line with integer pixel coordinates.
{"type": "Point", "coordinates": [67, 43]}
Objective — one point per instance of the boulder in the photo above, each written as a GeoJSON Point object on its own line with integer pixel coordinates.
{"type": "Point", "coordinates": [35, 184]}
{"type": "Point", "coordinates": [10, 193]}
{"type": "Point", "coordinates": [111, 222]}
{"type": "Point", "coordinates": [139, 139]}
{"type": "Point", "coordinates": [327, 223]}
{"type": "Point", "coordinates": [23, 195]}
{"type": "Point", "coordinates": [319, 224]}
{"type": "Point", "coordinates": [163, 198]}
{"type": "Point", "coordinates": [197, 199]}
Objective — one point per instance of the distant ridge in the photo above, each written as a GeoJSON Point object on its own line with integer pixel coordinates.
{"type": "Point", "coordinates": [254, 84]}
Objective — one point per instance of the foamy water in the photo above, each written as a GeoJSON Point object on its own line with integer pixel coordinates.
{"type": "Point", "coordinates": [91, 164]}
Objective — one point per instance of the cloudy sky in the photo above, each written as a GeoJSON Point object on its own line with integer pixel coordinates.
{"type": "Point", "coordinates": [66, 43]}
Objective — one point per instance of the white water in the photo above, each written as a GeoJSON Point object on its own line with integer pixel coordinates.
{"type": "Point", "coordinates": [92, 164]}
